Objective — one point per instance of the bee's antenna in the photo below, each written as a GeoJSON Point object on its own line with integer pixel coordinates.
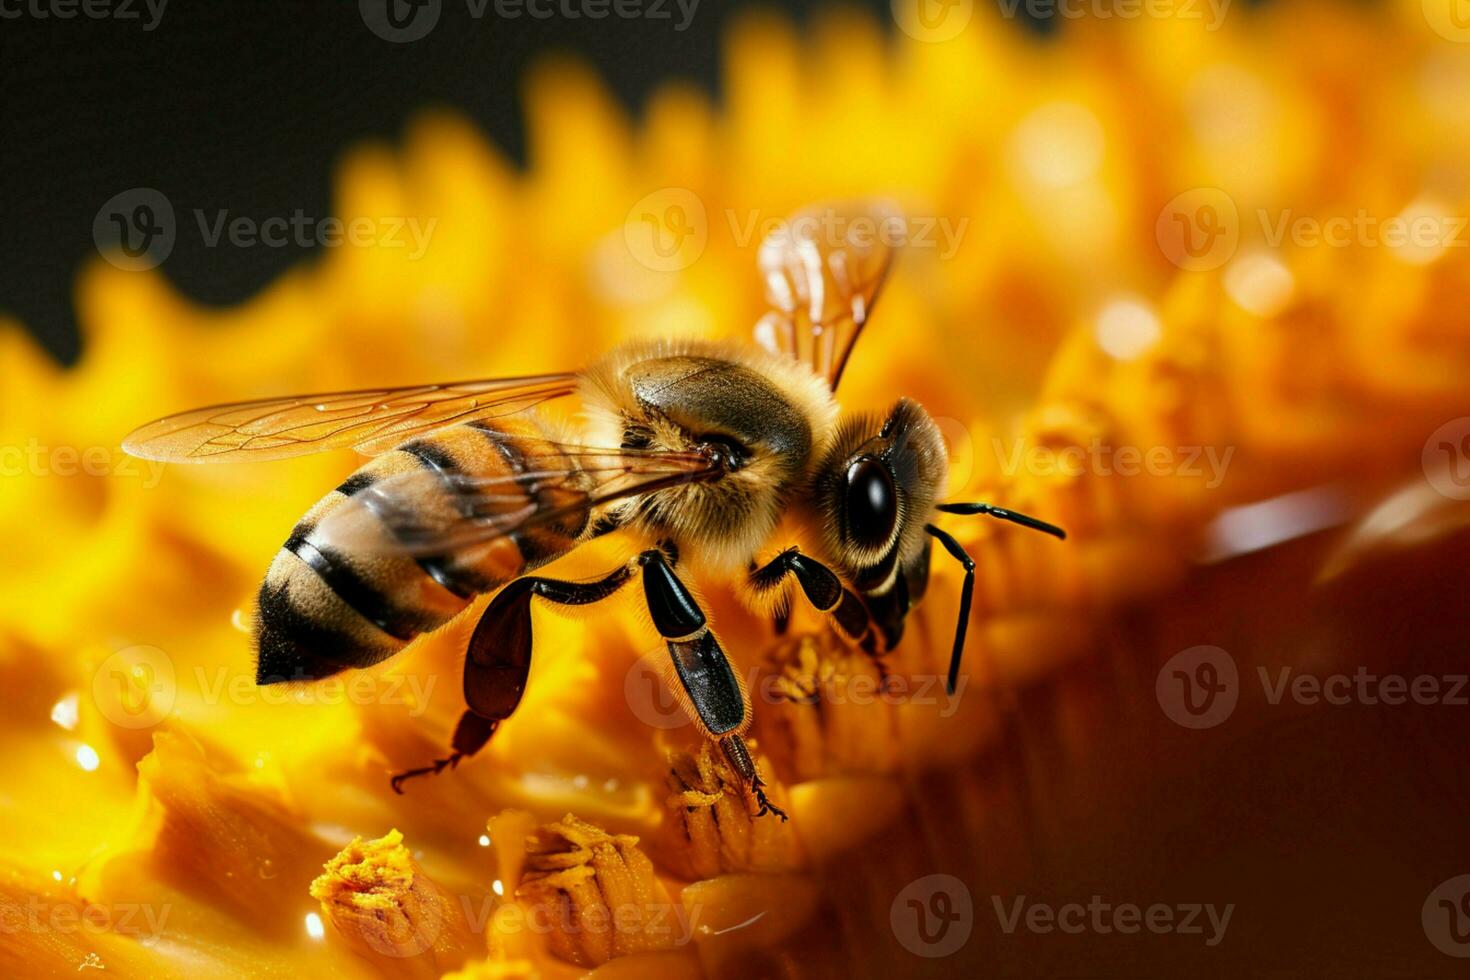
{"type": "Point", "coordinates": [967, 595]}
{"type": "Point", "coordinates": [1005, 515]}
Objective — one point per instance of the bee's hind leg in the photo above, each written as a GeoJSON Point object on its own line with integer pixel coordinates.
{"type": "Point", "coordinates": [499, 659]}
{"type": "Point", "coordinates": [744, 766]}
{"type": "Point", "coordinates": [470, 736]}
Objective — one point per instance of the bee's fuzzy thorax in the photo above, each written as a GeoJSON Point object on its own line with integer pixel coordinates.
{"type": "Point", "coordinates": [674, 395]}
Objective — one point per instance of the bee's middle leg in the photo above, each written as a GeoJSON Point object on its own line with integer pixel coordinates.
{"type": "Point", "coordinates": [702, 667]}
{"type": "Point", "coordinates": [498, 660]}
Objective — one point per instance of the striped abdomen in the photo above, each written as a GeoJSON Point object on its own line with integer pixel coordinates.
{"type": "Point", "coordinates": [323, 610]}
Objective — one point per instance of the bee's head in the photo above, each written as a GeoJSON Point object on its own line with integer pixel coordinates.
{"type": "Point", "coordinates": [876, 488]}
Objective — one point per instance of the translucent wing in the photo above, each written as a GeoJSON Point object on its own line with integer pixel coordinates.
{"type": "Point", "coordinates": [370, 421]}
{"type": "Point", "coordinates": [824, 268]}
{"type": "Point", "coordinates": [555, 486]}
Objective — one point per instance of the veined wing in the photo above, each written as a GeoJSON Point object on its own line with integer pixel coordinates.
{"type": "Point", "coordinates": [556, 486]}
{"type": "Point", "coordinates": [824, 268]}
{"type": "Point", "coordinates": [371, 421]}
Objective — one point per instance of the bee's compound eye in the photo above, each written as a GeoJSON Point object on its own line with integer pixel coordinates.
{"type": "Point", "coordinates": [872, 503]}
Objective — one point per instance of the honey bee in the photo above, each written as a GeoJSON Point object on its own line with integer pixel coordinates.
{"type": "Point", "coordinates": [696, 450]}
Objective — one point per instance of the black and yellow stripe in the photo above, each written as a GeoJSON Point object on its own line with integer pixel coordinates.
{"type": "Point", "coordinates": [322, 610]}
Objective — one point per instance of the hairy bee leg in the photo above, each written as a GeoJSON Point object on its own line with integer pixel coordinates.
{"type": "Point", "coordinates": [870, 647]}
{"type": "Point", "coordinates": [498, 660]}
{"type": "Point", "coordinates": [781, 622]}
{"type": "Point", "coordinates": [699, 661]}
{"type": "Point", "coordinates": [781, 618]}
{"type": "Point", "coordinates": [702, 667]}
{"type": "Point", "coordinates": [740, 760]}
{"type": "Point", "coordinates": [825, 591]}
{"type": "Point", "coordinates": [470, 736]}
{"type": "Point", "coordinates": [822, 588]}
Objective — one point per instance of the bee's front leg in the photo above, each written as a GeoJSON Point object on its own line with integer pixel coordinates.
{"type": "Point", "coordinates": [825, 591]}
{"type": "Point", "coordinates": [703, 669]}
{"type": "Point", "coordinates": [822, 588]}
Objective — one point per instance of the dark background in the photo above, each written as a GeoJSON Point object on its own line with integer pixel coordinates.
{"type": "Point", "coordinates": [245, 105]}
